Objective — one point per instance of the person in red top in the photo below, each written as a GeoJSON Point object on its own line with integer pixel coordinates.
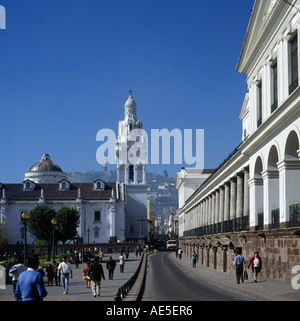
{"type": "Point", "coordinates": [86, 274]}
{"type": "Point", "coordinates": [255, 264]}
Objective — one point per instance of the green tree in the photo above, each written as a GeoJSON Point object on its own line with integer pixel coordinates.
{"type": "Point", "coordinates": [39, 224]}
{"type": "Point", "coordinates": [67, 223]}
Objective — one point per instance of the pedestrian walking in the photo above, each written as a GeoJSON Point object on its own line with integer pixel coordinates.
{"type": "Point", "coordinates": [76, 260]}
{"type": "Point", "coordinates": [95, 274]}
{"type": "Point", "coordinates": [30, 284]}
{"type": "Point", "coordinates": [136, 252]}
{"type": "Point", "coordinates": [176, 252]}
{"type": "Point", "coordinates": [111, 265]}
{"type": "Point", "coordinates": [50, 274]}
{"type": "Point", "coordinates": [86, 277]}
{"type": "Point", "coordinates": [127, 252]}
{"type": "Point", "coordinates": [101, 255]}
{"type": "Point", "coordinates": [15, 272]}
{"type": "Point", "coordinates": [256, 264]}
{"type": "Point", "coordinates": [56, 278]}
{"type": "Point", "coordinates": [122, 262]}
{"type": "Point", "coordinates": [65, 269]}
{"type": "Point", "coordinates": [194, 259]}
{"type": "Point", "coordinates": [239, 264]}
{"type": "Point", "coordinates": [179, 253]}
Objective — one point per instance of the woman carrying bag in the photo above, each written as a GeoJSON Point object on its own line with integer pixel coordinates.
{"type": "Point", "coordinates": [255, 264]}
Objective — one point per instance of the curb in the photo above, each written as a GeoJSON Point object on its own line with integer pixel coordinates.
{"type": "Point", "coordinates": [136, 293]}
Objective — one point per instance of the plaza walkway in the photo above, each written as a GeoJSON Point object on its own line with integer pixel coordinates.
{"type": "Point", "coordinates": [78, 290]}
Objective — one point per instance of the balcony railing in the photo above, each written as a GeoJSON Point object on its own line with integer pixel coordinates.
{"type": "Point", "coordinates": [275, 218]}
{"type": "Point", "coordinates": [295, 215]}
{"type": "Point", "coordinates": [234, 225]}
{"type": "Point", "coordinates": [260, 221]}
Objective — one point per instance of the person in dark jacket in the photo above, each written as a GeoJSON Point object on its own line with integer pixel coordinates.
{"type": "Point", "coordinates": [111, 265]}
{"type": "Point", "coordinates": [96, 274]}
{"type": "Point", "coordinates": [30, 284]}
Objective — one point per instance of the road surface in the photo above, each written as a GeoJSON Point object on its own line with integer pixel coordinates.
{"type": "Point", "coordinates": [166, 280]}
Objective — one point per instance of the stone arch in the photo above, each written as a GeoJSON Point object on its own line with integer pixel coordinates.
{"type": "Point", "coordinates": [273, 158]}
{"type": "Point", "coordinates": [290, 181]}
{"type": "Point", "coordinates": [258, 167]}
{"type": "Point", "coordinates": [291, 146]}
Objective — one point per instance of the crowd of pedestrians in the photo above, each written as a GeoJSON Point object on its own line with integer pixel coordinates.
{"type": "Point", "coordinates": [28, 281]}
{"type": "Point", "coordinates": [239, 264]}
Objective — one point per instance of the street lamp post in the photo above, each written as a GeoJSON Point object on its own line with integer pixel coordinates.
{"type": "Point", "coordinates": [25, 218]}
{"type": "Point", "coordinates": [53, 222]}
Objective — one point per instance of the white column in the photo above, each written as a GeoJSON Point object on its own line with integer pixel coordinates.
{"type": "Point", "coordinates": [227, 202]}
{"type": "Point", "coordinates": [213, 204]}
{"type": "Point", "coordinates": [256, 201]}
{"type": "Point", "coordinates": [118, 174]}
{"type": "Point", "coordinates": [135, 181]}
{"type": "Point", "coordinates": [112, 218]}
{"type": "Point", "coordinates": [240, 194]}
{"type": "Point", "coordinates": [126, 179]}
{"type": "Point", "coordinates": [283, 71]}
{"type": "Point", "coordinates": [232, 198]}
{"type": "Point", "coordinates": [267, 91]}
{"type": "Point", "coordinates": [221, 205]}
{"type": "Point", "coordinates": [289, 178]}
{"type": "Point", "coordinates": [271, 194]}
{"type": "Point", "coordinates": [201, 214]}
{"type": "Point", "coordinates": [246, 192]}
{"type": "Point", "coordinates": [217, 205]}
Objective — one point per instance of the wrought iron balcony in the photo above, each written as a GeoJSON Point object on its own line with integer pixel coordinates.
{"type": "Point", "coordinates": [295, 215]}
{"type": "Point", "coordinates": [275, 218]}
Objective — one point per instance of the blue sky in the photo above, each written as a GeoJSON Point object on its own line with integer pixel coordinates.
{"type": "Point", "coordinates": [67, 66]}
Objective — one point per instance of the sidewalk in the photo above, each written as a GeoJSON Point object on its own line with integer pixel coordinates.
{"type": "Point", "coordinates": [78, 290]}
{"type": "Point", "coordinates": [263, 290]}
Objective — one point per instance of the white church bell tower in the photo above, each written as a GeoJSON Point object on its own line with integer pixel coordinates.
{"type": "Point", "coordinates": [131, 147]}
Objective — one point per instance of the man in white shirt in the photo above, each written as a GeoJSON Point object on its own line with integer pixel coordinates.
{"type": "Point", "coordinates": [65, 269]}
{"type": "Point", "coordinates": [14, 273]}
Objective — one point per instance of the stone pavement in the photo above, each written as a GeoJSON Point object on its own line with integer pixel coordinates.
{"type": "Point", "coordinates": [77, 287]}
{"type": "Point", "coordinates": [263, 290]}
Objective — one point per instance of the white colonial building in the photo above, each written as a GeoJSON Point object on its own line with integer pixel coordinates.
{"type": "Point", "coordinates": [108, 210]}
{"type": "Point", "coordinates": [187, 181]}
{"type": "Point", "coordinates": [252, 199]}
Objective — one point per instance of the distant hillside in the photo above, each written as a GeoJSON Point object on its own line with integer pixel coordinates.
{"type": "Point", "coordinates": [161, 189]}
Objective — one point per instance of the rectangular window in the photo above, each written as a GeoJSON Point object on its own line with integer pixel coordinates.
{"type": "Point", "coordinates": [97, 216]}
{"type": "Point", "coordinates": [293, 64]}
{"type": "Point", "coordinates": [96, 233]}
{"type": "Point", "coordinates": [274, 87]}
{"type": "Point", "coordinates": [259, 104]}
{"type": "Point", "coordinates": [131, 229]}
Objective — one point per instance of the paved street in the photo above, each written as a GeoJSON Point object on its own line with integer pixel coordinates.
{"type": "Point", "coordinates": [171, 279]}
{"type": "Point", "coordinates": [78, 290]}
{"type": "Point", "coordinates": [167, 281]}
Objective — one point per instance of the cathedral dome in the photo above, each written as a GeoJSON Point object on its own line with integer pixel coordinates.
{"type": "Point", "coordinates": [45, 171]}
{"type": "Point", "coordinates": [45, 165]}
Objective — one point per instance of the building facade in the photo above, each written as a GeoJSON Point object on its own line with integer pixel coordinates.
{"type": "Point", "coordinates": [251, 201]}
{"type": "Point", "coordinates": [108, 210]}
